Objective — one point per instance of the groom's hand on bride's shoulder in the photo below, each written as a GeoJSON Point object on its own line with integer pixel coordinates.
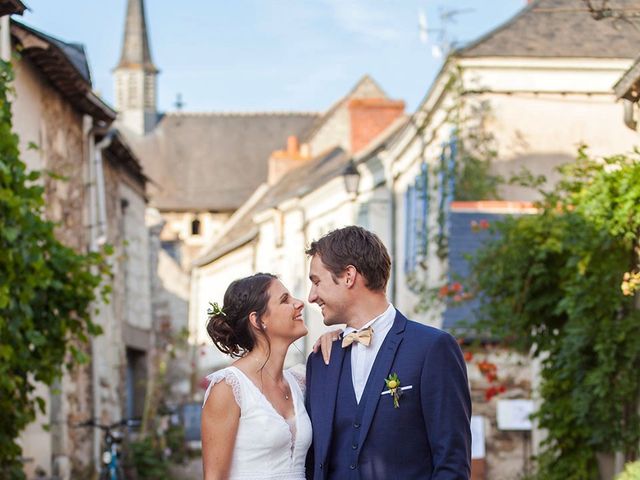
{"type": "Point", "coordinates": [325, 342]}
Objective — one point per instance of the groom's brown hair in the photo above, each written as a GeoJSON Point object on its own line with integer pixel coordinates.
{"type": "Point", "coordinates": [355, 246]}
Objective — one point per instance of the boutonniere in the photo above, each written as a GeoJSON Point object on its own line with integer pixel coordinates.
{"type": "Point", "coordinates": [393, 384]}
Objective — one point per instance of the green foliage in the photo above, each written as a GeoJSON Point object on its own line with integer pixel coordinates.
{"type": "Point", "coordinates": [631, 472]}
{"type": "Point", "coordinates": [473, 148]}
{"type": "Point", "coordinates": [551, 284]}
{"type": "Point", "coordinates": [46, 291]}
{"type": "Point", "coordinates": [149, 459]}
{"type": "Point", "coordinates": [476, 146]}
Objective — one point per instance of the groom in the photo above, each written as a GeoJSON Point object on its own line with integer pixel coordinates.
{"type": "Point", "coordinates": [393, 402]}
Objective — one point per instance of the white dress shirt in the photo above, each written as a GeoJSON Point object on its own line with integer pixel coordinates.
{"type": "Point", "coordinates": [362, 357]}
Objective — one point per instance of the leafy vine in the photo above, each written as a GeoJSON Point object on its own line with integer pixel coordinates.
{"type": "Point", "coordinates": [559, 286]}
{"type": "Point", "coordinates": [46, 293]}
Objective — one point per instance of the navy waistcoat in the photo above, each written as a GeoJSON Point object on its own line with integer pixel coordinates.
{"type": "Point", "coordinates": [347, 422]}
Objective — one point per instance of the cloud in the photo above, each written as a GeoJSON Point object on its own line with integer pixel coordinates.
{"type": "Point", "coordinates": [362, 18]}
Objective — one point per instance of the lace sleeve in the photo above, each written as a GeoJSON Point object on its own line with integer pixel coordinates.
{"type": "Point", "coordinates": [229, 378]}
{"type": "Point", "coordinates": [299, 376]}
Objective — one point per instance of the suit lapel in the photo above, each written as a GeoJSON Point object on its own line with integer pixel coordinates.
{"type": "Point", "coordinates": [380, 371]}
{"type": "Point", "coordinates": [328, 397]}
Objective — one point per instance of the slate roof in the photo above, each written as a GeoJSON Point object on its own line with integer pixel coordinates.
{"type": "Point", "coordinates": [65, 66]}
{"type": "Point", "coordinates": [74, 52]}
{"type": "Point", "coordinates": [561, 28]}
{"type": "Point", "coordinates": [9, 7]}
{"type": "Point", "coordinates": [296, 183]}
{"type": "Point", "coordinates": [212, 161]}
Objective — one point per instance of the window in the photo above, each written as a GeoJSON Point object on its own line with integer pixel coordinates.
{"type": "Point", "coordinates": [149, 91]}
{"type": "Point", "coordinates": [136, 379]}
{"type": "Point", "coordinates": [172, 248]}
{"type": "Point", "coordinates": [195, 227]}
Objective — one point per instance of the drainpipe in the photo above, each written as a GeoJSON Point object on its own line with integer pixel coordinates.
{"type": "Point", "coordinates": [394, 252]}
{"type": "Point", "coordinates": [101, 236]}
{"type": "Point", "coordinates": [5, 38]}
{"type": "Point", "coordinates": [629, 108]}
{"type": "Point", "coordinates": [97, 237]}
{"type": "Point", "coordinates": [88, 131]}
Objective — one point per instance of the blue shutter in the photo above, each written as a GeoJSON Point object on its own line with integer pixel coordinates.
{"type": "Point", "coordinates": [410, 229]}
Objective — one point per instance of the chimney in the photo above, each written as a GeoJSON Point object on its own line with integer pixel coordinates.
{"type": "Point", "coordinates": [293, 146]}
{"type": "Point", "coordinates": [370, 117]}
{"type": "Point", "coordinates": [282, 161]}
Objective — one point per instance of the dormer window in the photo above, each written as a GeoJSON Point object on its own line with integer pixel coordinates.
{"type": "Point", "coordinates": [195, 227]}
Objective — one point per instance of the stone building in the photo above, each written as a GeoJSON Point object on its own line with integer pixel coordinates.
{"type": "Point", "coordinates": [304, 197]}
{"type": "Point", "coordinates": [544, 80]}
{"type": "Point", "coordinates": [203, 167]}
{"type": "Point", "coordinates": [98, 197]}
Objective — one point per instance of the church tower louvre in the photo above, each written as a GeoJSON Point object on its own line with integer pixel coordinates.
{"type": "Point", "coordinates": [135, 75]}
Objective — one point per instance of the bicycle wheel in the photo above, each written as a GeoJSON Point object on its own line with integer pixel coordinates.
{"type": "Point", "coordinates": [120, 473]}
{"type": "Point", "coordinates": [108, 473]}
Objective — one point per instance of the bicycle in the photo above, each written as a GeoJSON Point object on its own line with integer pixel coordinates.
{"type": "Point", "coordinates": [111, 468]}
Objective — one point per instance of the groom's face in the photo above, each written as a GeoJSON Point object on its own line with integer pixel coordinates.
{"type": "Point", "coordinates": [328, 291]}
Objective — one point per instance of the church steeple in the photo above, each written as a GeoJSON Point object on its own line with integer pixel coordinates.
{"type": "Point", "coordinates": [135, 47]}
{"type": "Point", "coordinates": [136, 75]}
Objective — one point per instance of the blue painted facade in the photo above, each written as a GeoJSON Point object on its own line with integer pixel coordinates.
{"type": "Point", "coordinates": [463, 242]}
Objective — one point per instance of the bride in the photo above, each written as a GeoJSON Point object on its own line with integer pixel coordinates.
{"type": "Point", "coordinates": [254, 423]}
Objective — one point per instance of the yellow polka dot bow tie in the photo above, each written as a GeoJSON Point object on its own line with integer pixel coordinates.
{"type": "Point", "coordinates": [363, 336]}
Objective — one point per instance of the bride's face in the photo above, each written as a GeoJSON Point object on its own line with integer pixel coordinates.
{"type": "Point", "coordinates": [283, 318]}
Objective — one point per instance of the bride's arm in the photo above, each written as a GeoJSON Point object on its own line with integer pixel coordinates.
{"type": "Point", "coordinates": [325, 342]}
{"type": "Point", "coordinates": [219, 424]}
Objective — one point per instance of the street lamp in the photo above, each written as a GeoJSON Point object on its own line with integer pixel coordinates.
{"type": "Point", "coordinates": [351, 178]}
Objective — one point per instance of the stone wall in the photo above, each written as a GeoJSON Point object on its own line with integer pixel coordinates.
{"type": "Point", "coordinates": [506, 452]}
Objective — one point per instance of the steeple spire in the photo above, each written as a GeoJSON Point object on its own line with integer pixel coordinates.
{"type": "Point", "coordinates": [136, 76]}
{"type": "Point", "coordinates": [135, 47]}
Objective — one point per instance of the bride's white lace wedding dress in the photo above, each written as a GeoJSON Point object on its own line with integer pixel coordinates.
{"type": "Point", "coordinates": [268, 446]}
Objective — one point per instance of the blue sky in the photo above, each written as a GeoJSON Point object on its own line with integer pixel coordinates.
{"type": "Point", "coordinates": [255, 55]}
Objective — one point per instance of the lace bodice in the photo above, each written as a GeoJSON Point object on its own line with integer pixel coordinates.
{"type": "Point", "coordinates": [268, 446]}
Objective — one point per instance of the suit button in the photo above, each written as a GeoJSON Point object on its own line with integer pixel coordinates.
{"type": "Point", "coordinates": [352, 466]}
{"type": "Point", "coordinates": [354, 446]}
{"type": "Point", "coordinates": [356, 425]}
{"type": "Point", "coordinates": [321, 465]}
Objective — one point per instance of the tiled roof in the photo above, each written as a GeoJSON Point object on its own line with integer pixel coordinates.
{"type": "Point", "coordinates": [564, 29]}
{"type": "Point", "coordinates": [212, 161]}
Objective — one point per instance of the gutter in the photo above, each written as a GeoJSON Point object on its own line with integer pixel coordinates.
{"type": "Point", "coordinates": [101, 237]}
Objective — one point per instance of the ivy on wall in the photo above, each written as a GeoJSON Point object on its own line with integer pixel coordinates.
{"type": "Point", "coordinates": [559, 285]}
{"type": "Point", "coordinates": [46, 293]}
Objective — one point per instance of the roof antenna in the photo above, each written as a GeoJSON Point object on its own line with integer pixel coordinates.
{"type": "Point", "coordinates": [179, 104]}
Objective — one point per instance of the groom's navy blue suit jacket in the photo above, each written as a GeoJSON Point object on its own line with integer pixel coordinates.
{"type": "Point", "coordinates": [427, 437]}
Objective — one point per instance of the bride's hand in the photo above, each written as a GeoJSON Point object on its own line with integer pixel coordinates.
{"type": "Point", "coordinates": [324, 343]}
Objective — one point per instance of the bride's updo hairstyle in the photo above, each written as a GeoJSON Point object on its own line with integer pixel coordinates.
{"type": "Point", "coordinates": [229, 327]}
